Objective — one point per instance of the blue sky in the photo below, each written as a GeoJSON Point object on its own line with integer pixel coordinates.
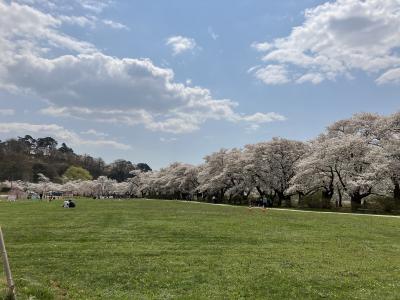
{"type": "Point", "coordinates": [164, 81]}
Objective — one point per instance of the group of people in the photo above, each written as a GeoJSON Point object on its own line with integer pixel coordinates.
{"type": "Point", "coordinates": [68, 204]}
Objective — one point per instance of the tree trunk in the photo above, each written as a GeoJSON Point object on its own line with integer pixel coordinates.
{"type": "Point", "coordinates": [260, 192]}
{"type": "Point", "coordinates": [355, 201]}
{"type": "Point", "coordinates": [280, 197]}
{"type": "Point", "coordinates": [356, 198]}
{"type": "Point", "coordinates": [288, 201]}
{"type": "Point", "coordinates": [283, 197]}
{"type": "Point", "coordinates": [340, 198]}
{"type": "Point", "coordinates": [396, 192]}
{"type": "Point", "coordinates": [326, 198]}
{"type": "Point", "coordinates": [339, 202]}
{"type": "Point", "coordinates": [221, 196]}
{"type": "Point", "coordinates": [299, 202]}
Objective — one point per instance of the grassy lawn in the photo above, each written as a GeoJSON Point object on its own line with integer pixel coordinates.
{"type": "Point", "coordinates": [147, 249]}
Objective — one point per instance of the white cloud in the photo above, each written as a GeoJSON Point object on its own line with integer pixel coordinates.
{"type": "Point", "coordinates": [84, 83]}
{"type": "Point", "coordinates": [43, 4]}
{"type": "Point", "coordinates": [272, 74]}
{"type": "Point", "coordinates": [92, 6]}
{"type": "Point", "coordinates": [261, 47]}
{"type": "Point", "coordinates": [26, 31]}
{"type": "Point", "coordinates": [337, 38]}
{"type": "Point", "coordinates": [391, 76]}
{"type": "Point", "coordinates": [7, 112]}
{"type": "Point", "coordinates": [180, 44]}
{"type": "Point", "coordinates": [252, 128]}
{"type": "Point", "coordinates": [82, 21]}
{"type": "Point", "coordinates": [212, 33]}
{"type": "Point", "coordinates": [65, 10]}
{"type": "Point", "coordinates": [259, 118]}
{"type": "Point", "coordinates": [94, 133]}
{"type": "Point", "coordinates": [115, 25]}
{"type": "Point", "coordinates": [168, 140]}
{"type": "Point", "coordinates": [95, 6]}
{"type": "Point", "coordinates": [314, 78]}
{"type": "Point", "coordinates": [59, 133]}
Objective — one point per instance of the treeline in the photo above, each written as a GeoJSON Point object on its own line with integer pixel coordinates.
{"type": "Point", "coordinates": [355, 161]}
{"type": "Point", "coordinates": [25, 157]}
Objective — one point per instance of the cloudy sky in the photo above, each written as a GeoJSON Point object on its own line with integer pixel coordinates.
{"type": "Point", "coordinates": [163, 81]}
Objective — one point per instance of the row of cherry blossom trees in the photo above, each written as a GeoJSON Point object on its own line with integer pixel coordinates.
{"type": "Point", "coordinates": [357, 157]}
{"type": "Point", "coordinates": [353, 159]}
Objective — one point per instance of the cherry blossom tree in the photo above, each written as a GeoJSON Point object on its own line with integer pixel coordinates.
{"type": "Point", "coordinates": [380, 136]}
{"type": "Point", "coordinates": [176, 181]}
{"type": "Point", "coordinates": [222, 174]}
{"type": "Point", "coordinates": [272, 165]}
{"type": "Point", "coordinates": [103, 186]}
{"type": "Point", "coordinates": [234, 172]}
{"type": "Point", "coordinates": [315, 172]}
{"type": "Point", "coordinates": [361, 169]}
{"type": "Point", "coordinates": [392, 144]}
{"type": "Point", "coordinates": [147, 184]}
{"type": "Point", "coordinates": [257, 169]}
{"type": "Point", "coordinates": [190, 180]}
{"type": "Point", "coordinates": [211, 176]}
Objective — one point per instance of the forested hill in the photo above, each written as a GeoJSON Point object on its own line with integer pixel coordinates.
{"type": "Point", "coordinates": [24, 158]}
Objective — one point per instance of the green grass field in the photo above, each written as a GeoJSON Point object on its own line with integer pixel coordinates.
{"type": "Point", "coordinates": [148, 249]}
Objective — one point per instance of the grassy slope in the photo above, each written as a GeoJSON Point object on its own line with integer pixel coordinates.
{"type": "Point", "coordinates": [142, 249]}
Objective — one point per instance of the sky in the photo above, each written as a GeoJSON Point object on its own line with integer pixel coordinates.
{"type": "Point", "coordinates": [164, 81]}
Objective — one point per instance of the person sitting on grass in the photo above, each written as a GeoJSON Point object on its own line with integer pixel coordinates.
{"type": "Point", "coordinates": [71, 204]}
{"type": "Point", "coordinates": [66, 204]}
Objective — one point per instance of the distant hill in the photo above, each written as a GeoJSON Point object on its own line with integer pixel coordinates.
{"type": "Point", "coordinates": [23, 158]}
